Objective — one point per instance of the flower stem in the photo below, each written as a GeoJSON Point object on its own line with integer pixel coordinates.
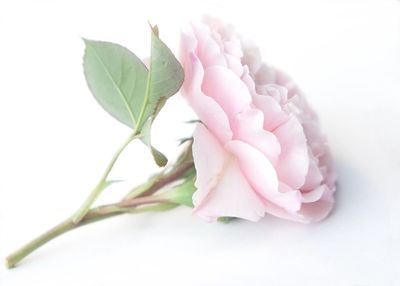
{"type": "Point", "coordinates": [96, 214]}
{"type": "Point", "coordinates": [141, 199]}
{"type": "Point", "coordinates": [81, 212]}
{"type": "Point", "coordinates": [159, 181]}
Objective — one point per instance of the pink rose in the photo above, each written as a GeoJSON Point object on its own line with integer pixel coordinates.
{"type": "Point", "coordinates": [259, 148]}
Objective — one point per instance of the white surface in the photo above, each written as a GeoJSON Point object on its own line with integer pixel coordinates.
{"type": "Point", "coordinates": [56, 141]}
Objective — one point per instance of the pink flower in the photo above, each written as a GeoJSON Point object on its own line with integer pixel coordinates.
{"type": "Point", "coordinates": [259, 148]}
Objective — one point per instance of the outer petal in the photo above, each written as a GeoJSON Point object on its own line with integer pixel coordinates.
{"type": "Point", "coordinates": [289, 199]}
{"type": "Point", "coordinates": [208, 110]}
{"type": "Point", "coordinates": [232, 196]}
{"type": "Point", "coordinates": [318, 210]}
{"type": "Point", "coordinates": [265, 75]}
{"type": "Point", "coordinates": [293, 161]}
{"type": "Point", "coordinates": [222, 189]}
{"type": "Point", "coordinates": [309, 212]}
{"type": "Point", "coordinates": [188, 45]}
{"type": "Point", "coordinates": [251, 56]}
{"type": "Point", "coordinates": [209, 159]}
{"type": "Point", "coordinates": [210, 54]}
{"type": "Point", "coordinates": [227, 89]}
{"type": "Point", "coordinates": [314, 176]}
{"type": "Point", "coordinates": [208, 50]}
{"type": "Point", "coordinates": [314, 195]}
{"type": "Point", "coordinates": [284, 80]}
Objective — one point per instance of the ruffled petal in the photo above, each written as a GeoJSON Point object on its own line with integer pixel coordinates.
{"type": "Point", "coordinates": [320, 208]}
{"type": "Point", "coordinates": [313, 211]}
{"type": "Point", "coordinates": [274, 116]}
{"type": "Point", "coordinates": [288, 198]}
{"type": "Point", "coordinates": [251, 56]}
{"type": "Point", "coordinates": [313, 195]}
{"type": "Point", "coordinates": [209, 159]}
{"type": "Point", "coordinates": [256, 167]}
{"type": "Point", "coordinates": [293, 161]}
{"type": "Point", "coordinates": [314, 176]}
{"type": "Point", "coordinates": [232, 196]}
{"type": "Point", "coordinates": [226, 89]}
{"type": "Point", "coordinates": [248, 127]}
{"type": "Point", "coordinates": [234, 64]}
{"type": "Point", "coordinates": [208, 110]}
{"type": "Point", "coordinates": [222, 189]}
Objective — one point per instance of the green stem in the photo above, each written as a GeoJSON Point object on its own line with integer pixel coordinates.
{"type": "Point", "coordinates": [141, 200]}
{"type": "Point", "coordinates": [93, 215]}
{"type": "Point", "coordinates": [159, 181]}
{"type": "Point", "coordinates": [81, 212]}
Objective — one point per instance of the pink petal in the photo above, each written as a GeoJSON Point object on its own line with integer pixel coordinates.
{"type": "Point", "coordinates": [222, 189]}
{"type": "Point", "coordinates": [226, 89]}
{"type": "Point", "coordinates": [274, 116]}
{"type": "Point", "coordinates": [256, 167]}
{"type": "Point", "coordinates": [288, 199]}
{"type": "Point", "coordinates": [309, 212]}
{"type": "Point", "coordinates": [209, 158]}
{"type": "Point", "coordinates": [265, 75]}
{"type": "Point", "coordinates": [313, 177]}
{"type": "Point", "coordinates": [280, 212]}
{"type": "Point", "coordinates": [318, 210]}
{"type": "Point", "coordinates": [209, 112]}
{"type": "Point", "coordinates": [248, 80]}
{"type": "Point", "coordinates": [313, 195]}
{"type": "Point", "coordinates": [210, 54]}
{"type": "Point", "coordinates": [232, 196]}
{"type": "Point", "coordinates": [233, 47]}
{"type": "Point", "coordinates": [277, 92]}
{"type": "Point", "coordinates": [251, 57]}
{"type": "Point", "coordinates": [248, 127]}
{"type": "Point", "coordinates": [293, 161]}
{"type": "Point", "coordinates": [234, 64]}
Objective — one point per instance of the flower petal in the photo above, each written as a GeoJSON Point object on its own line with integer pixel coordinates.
{"type": "Point", "coordinates": [226, 89]}
{"type": "Point", "coordinates": [209, 158]}
{"type": "Point", "coordinates": [313, 195]}
{"type": "Point", "coordinates": [288, 199]}
{"type": "Point", "coordinates": [274, 116]}
{"type": "Point", "coordinates": [208, 110]}
{"type": "Point", "coordinates": [251, 56]}
{"type": "Point", "coordinates": [293, 161]}
{"type": "Point", "coordinates": [222, 189]}
{"type": "Point", "coordinates": [318, 210]}
{"type": "Point", "coordinates": [313, 177]}
{"type": "Point", "coordinates": [256, 167]}
{"type": "Point", "coordinates": [248, 127]}
{"type": "Point", "coordinates": [232, 196]}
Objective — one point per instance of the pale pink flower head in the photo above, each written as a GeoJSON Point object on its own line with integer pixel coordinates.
{"type": "Point", "coordinates": [258, 148]}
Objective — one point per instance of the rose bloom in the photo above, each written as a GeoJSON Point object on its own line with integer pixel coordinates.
{"type": "Point", "coordinates": [258, 148]}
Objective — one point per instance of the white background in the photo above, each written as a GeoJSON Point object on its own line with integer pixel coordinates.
{"type": "Point", "coordinates": [55, 142]}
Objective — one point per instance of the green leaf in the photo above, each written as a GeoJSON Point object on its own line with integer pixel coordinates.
{"type": "Point", "coordinates": [164, 79]}
{"type": "Point", "coordinates": [160, 159]}
{"type": "Point", "coordinates": [117, 78]}
{"type": "Point", "coordinates": [124, 87]}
